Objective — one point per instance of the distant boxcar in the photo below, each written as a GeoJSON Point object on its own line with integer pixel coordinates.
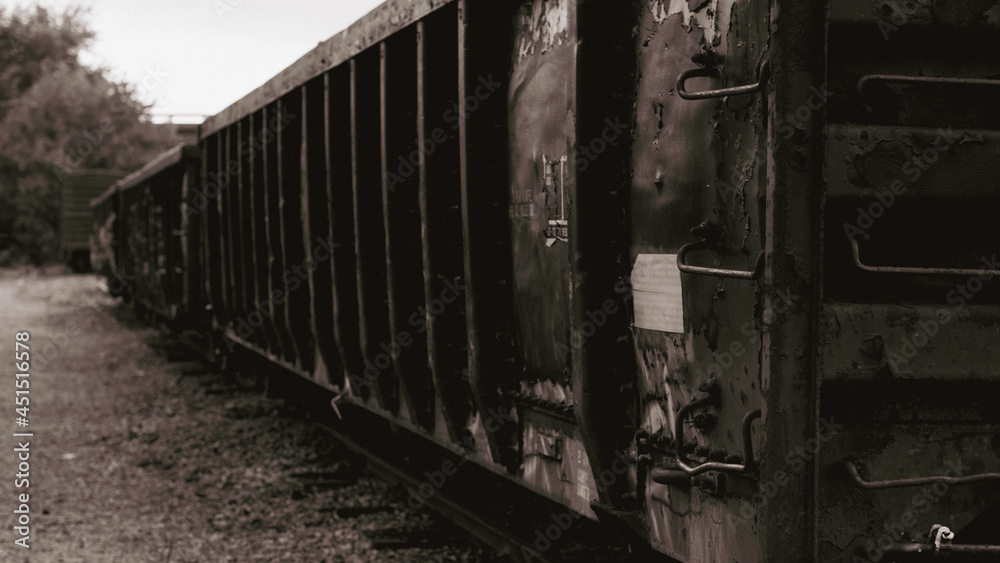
{"type": "Point", "coordinates": [76, 217]}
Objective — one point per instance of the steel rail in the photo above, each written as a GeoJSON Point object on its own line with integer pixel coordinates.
{"type": "Point", "coordinates": [495, 538]}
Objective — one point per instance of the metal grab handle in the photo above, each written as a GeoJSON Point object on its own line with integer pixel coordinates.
{"type": "Point", "coordinates": [916, 481]}
{"type": "Point", "coordinates": [762, 76]}
{"type": "Point", "coordinates": [682, 464]}
{"type": "Point", "coordinates": [904, 79]}
{"type": "Point", "coordinates": [754, 274]}
{"type": "Point", "coordinates": [914, 270]}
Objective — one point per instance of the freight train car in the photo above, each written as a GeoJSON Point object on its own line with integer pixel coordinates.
{"type": "Point", "coordinates": [146, 240]}
{"type": "Point", "coordinates": [78, 188]}
{"type": "Point", "coordinates": [717, 273]}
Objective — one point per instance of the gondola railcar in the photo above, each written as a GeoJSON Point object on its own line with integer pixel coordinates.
{"type": "Point", "coordinates": [718, 273]}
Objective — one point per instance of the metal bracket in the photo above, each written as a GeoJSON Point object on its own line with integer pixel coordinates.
{"type": "Point", "coordinates": [941, 535]}
{"type": "Point", "coordinates": [682, 464]}
{"type": "Point", "coordinates": [763, 73]}
{"type": "Point", "coordinates": [911, 270]}
{"type": "Point", "coordinates": [333, 403]}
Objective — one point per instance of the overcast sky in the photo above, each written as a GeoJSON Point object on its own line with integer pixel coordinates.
{"type": "Point", "coordinates": [200, 56]}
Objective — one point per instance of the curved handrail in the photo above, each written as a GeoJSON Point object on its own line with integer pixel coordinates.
{"type": "Point", "coordinates": [912, 269]}
{"type": "Point", "coordinates": [754, 274]}
{"type": "Point", "coordinates": [916, 481]}
{"type": "Point", "coordinates": [762, 75]}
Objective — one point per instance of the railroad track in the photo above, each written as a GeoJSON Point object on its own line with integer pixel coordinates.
{"type": "Point", "coordinates": [484, 531]}
{"type": "Point", "coordinates": [517, 526]}
{"type": "Point", "coordinates": [514, 524]}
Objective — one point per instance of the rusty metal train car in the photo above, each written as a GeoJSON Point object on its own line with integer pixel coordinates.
{"type": "Point", "coordinates": [716, 272]}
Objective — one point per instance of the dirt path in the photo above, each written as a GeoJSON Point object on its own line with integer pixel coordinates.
{"type": "Point", "coordinates": [135, 458]}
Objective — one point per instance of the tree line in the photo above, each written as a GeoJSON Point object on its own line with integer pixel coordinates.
{"type": "Point", "coordinates": [58, 116]}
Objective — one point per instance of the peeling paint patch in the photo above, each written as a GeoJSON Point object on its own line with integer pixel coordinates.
{"type": "Point", "coordinates": [549, 390]}
{"type": "Point", "coordinates": [546, 26]}
{"type": "Point", "coordinates": [695, 15]}
{"type": "Point", "coordinates": [655, 420]}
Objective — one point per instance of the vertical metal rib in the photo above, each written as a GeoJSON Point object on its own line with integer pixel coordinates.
{"type": "Point", "coordinates": [369, 227]}
{"type": "Point", "coordinates": [276, 262]}
{"type": "Point", "coordinates": [225, 220]}
{"type": "Point", "coordinates": [401, 215]}
{"type": "Point", "coordinates": [237, 187]}
{"type": "Point", "coordinates": [316, 215]}
{"type": "Point", "coordinates": [441, 219]}
{"type": "Point", "coordinates": [483, 165]}
{"type": "Point", "coordinates": [288, 124]}
{"type": "Point", "coordinates": [337, 123]}
{"type": "Point", "coordinates": [249, 187]}
{"type": "Point", "coordinates": [213, 247]}
{"type": "Point", "coordinates": [231, 188]}
{"type": "Point", "coordinates": [258, 237]}
{"type": "Point", "coordinates": [602, 367]}
{"type": "Point", "coordinates": [794, 194]}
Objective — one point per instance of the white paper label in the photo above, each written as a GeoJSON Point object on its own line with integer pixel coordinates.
{"type": "Point", "coordinates": [582, 490]}
{"type": "Point", "coordinates": [656, 293]}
